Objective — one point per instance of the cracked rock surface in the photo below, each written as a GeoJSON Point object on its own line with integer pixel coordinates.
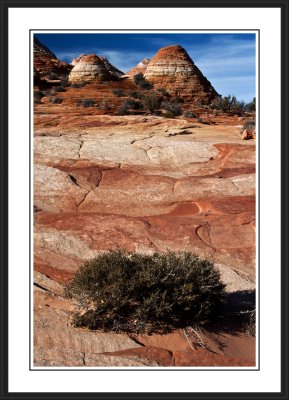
{"type": "Point", "coordinates": [133, 182]}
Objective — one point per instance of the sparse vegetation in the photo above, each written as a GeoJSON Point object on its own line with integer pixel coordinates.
{"type": "Point", "coordinates": [120, 291]}
{"type": "Point", "coordinates": [123, 109]}
{"type": "Point", "coordinates": [251, 107]}
{"type": "Point", "coordinates": [250, 324]}
{"type": "Point", "coordinates": [172, 107]}
{"type": "Point", "coordinates": [52, 76]}
{"type": "Point", "coordinates": [56, 100]}
{"type": "Point", "coordinates": [249, 125]}
{"type": "Point", "coordinates": [133, 104]}
{"type": "Point", "coordinates": [37, 96]}
{"type": "Point", "coordinates": [77, 85]}
{"type": "Point", "coordinates": [163, 92]}
{"type": "Point", "coordinates": [59, 89]}
{"type": "Point", "coordinates": [189, 114]}
{"type": "Point", "coordinates": [86, 102]}
{"type": "Point", "coordinates": [141, 81]}
{"type": "Point", "coordinates": [151, 102]}
{"type": "Point", "coordinates": [135, 95]}
{"type": "Point", "coordinates": [64, 82]}
{"type": "Point", "coordinates": [118, 92]}
{"type": "Point", "coordinates": [229, 104]}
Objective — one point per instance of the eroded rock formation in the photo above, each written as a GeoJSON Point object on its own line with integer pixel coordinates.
{"type": "Point", "coordinates": [46, 63]}
{"type": "Point", "coordinates": [140, 67]}
{"type": "Point", "coordinates": [173, 69]}
{"type": "Point", "coordinates": [90, 68]}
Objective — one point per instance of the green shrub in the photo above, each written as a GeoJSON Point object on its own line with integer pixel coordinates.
{"type": "Point", "coordinates": [141, 81]}
{"type": "Point", "coordinates": [120, 291]}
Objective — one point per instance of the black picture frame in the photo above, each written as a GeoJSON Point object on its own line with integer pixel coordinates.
{"type": "Point", "coordinates": [283, 5]}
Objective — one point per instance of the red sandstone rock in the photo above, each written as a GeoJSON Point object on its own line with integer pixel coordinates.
{"type": "Point", "coordinates": [90, 67]}
{"type": "Point", "coordinates": [45, 61]}
{"type": "Point", "coordinates": [205, 358]}
{"type": "Point", "coordinates": [140, 67]}
{"type": "Point", "coordinates": [249, 134]}
{"type": "Point", "coordinates": [173, 69]}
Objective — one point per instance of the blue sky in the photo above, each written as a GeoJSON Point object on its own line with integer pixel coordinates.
{"type": "Point", "coordinates": [226, 59]}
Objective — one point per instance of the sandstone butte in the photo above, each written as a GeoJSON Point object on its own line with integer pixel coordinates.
{"type": "Point", "coordinates": [90, 67]}
{"type": "Point", "coordinates": [143, 183]}
{"type": "Point", "coordinates": [173, 69]}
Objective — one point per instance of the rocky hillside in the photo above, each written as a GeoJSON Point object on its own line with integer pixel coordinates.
{"type": "Point", "coordinates": [46, 63]}
{"type": "Point", "coordinates": [139, 68]}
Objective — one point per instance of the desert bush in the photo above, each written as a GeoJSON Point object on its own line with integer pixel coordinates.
{"type": "Point", "coordinates": [189, 114]}
{"type": "Point", "coordinates": [228, 104]}
{"type": "Point", "coordinates": [64, 82]}
{"type": "Point", "coordinates": [37, 94]}
{"type": "Point", "coordinates": [87, 102]}
{"type": "Point", "coordinates": [52, 76]}
{"type": "Point", "coordinates": [178, 99]}
{"type": "Point", "coordinates": [151, 102]}
{"type": "Point", "coordinates": [120, 291]}
{"type": "Point", "coordinates": [77, 84]}
{"type": "Point", "coordinates": [133, 104]}
{"type": "Point", "coordinates": [59, 89]}
{"type": "Point", "coordinates": [135, 95]}
{"type": "Point", "coordinates": [123, 109]}
{"type": "Point", "coordinates": [249, 125]}
{"type": "Point", "coordinates": [250, 324]}
{"type": "Point", "coordinates": [251, 107]}
{"type": "Point", "coordinates": [118, 92]}
{"type": "Point", "coordinates": [167, 114]}
{"type": "Point", "coordinates": [163, 92]}
{"type": "Point", "coordinates": [56, 100]}
{"type": "Point", "coordinates": [172, 107]}
{"type": "Point", "coordinates": [141, 81]}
